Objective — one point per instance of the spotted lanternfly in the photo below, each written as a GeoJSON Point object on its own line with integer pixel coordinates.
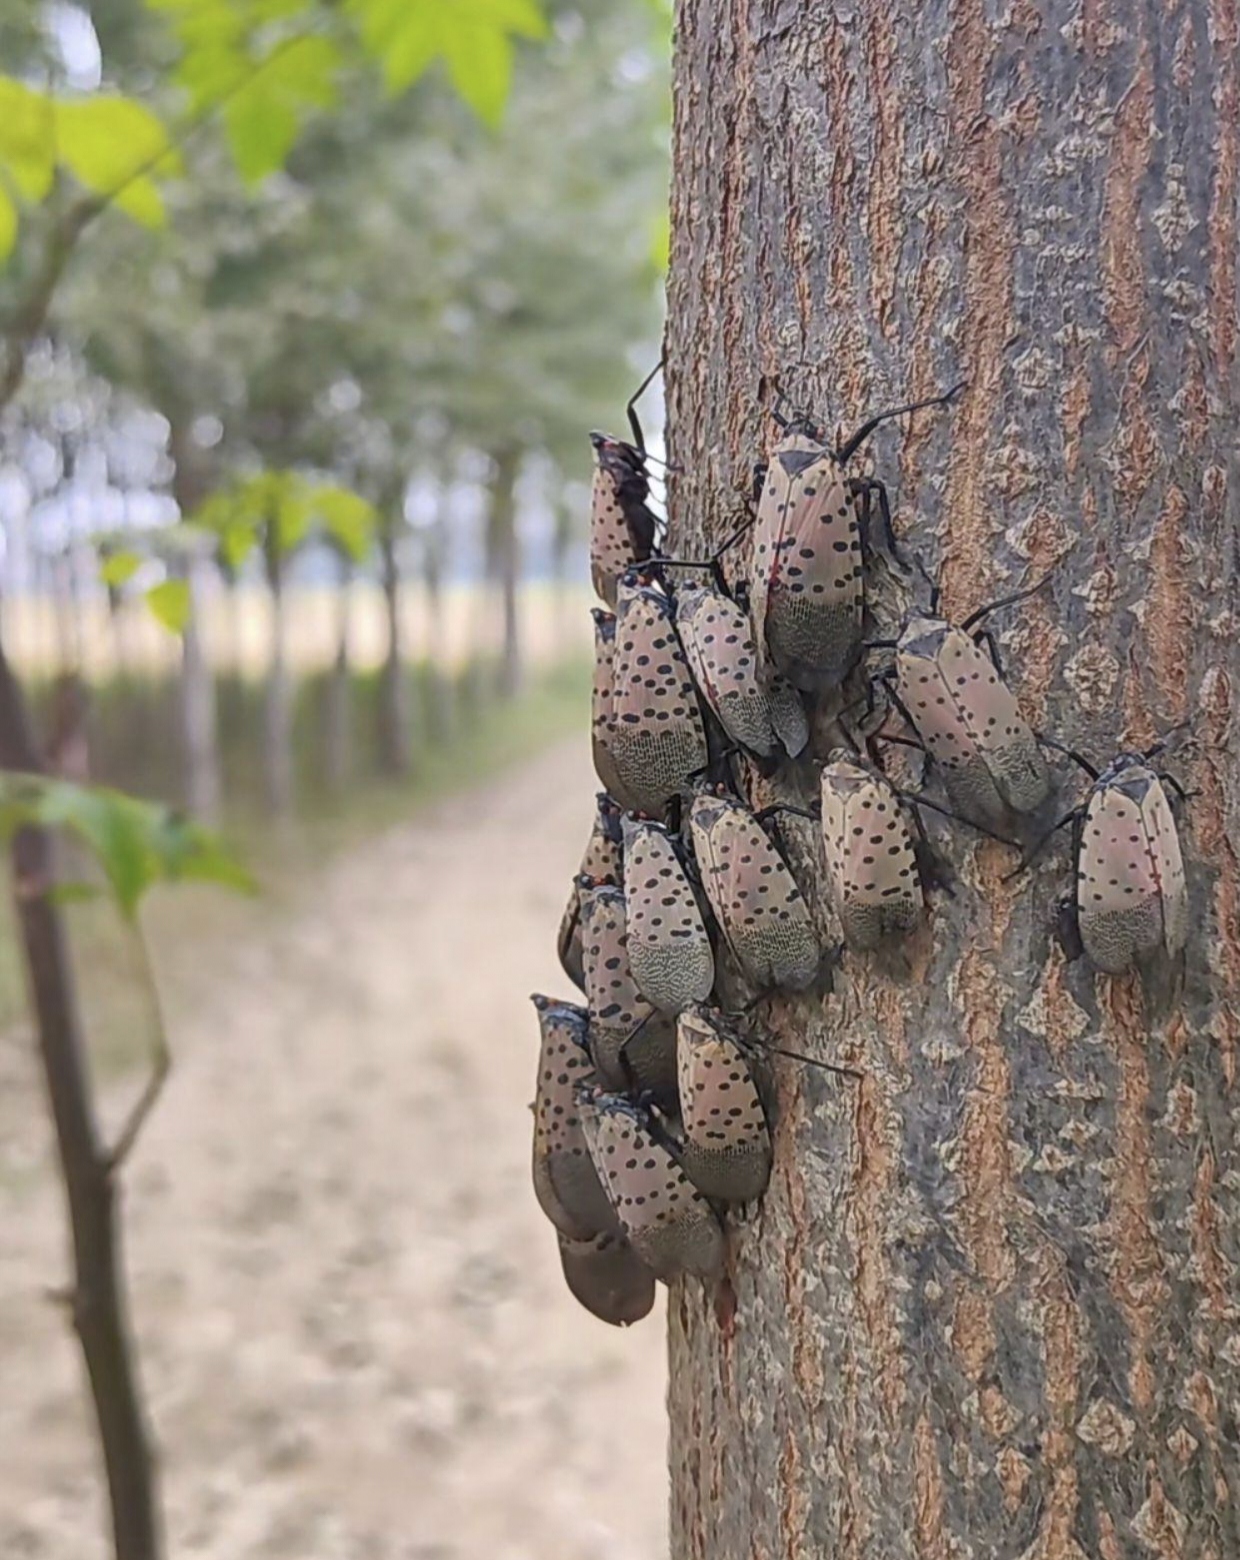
{"type": "Point", "coordinates": [759, 908]}
{"type": "Point", "coordinates": [601, 863]}
{"type": "Point", "coordinates": [668, 1222]}
{"type": "Point", "coordinates": [669, 950]}
{"type": "Point", "coordinates": [871, 864]}
{"type": "Point", "coordinates": [631, 1042]}
{"type": "Point", "coordinates": [952, 691]}
{"type": "Point", "coordinates": [806, 587]}
{"type": "Point", "coordinates": [607, 1276]}
{"type": "Point", "coordinates": [1131, 896]}
{"type": "Point", "coordinates": [602, 720]}
{"type": "Point", "coordinates": [657, 738]}
{"type": "Point", "coordinates": [565, 1181]}
{"type": "Point", "coordinates": [719, 646]}
{"type": "Point", "coordinates": [622, 524]}
{"type": "Point", "coordinates": [727, 1142]}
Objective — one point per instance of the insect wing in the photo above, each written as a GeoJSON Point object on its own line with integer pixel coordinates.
{"type": "Point", "coordinates": [565, 1181]}
{"type": "Point", "coordinates": [807, 591]}
{"type": "Point", "coordinates": [608, 1278]}
{"type": "Point", "coordinates": [657, 736]}
{"type": "Point", "coordinates": [621, 1019]}
{"type": "Point", "coordinates": [988, 708]}
{"type": "Point", "coordinates": [669, 950]}
{"type": "Point", "coordinates": [871, 865]}
{"type": "Point", "coordinates": [1168, 862]}
{"type": "Point", "coordinates": [668, 1222]}
{"type": "Point", "coordinates": [727, 1147]}
{"type": "Point", "coordinates": [1118, 894]}
{"type": "Point", "coordinates": [754, 896]}
{"type": "Point", "coordinates": [621, 526]}
{"type": "Point", "coordinates": [601, 862]}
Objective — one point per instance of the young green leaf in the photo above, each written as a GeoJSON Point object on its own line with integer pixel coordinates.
{"type": "Point", "coordinates": [136, 844]}
{"type": "Point", "coordinates": [118, 568]}
{"type": "Point", "coordinates": [347, 518]}
{"type": "Point", "coordinates": [169, 601]}
{"type": "Point", "coordinates": [27, 142]}
{"type": "Point", "coordinates": [110, 144]}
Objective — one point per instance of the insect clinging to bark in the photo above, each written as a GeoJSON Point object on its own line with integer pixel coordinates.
{"type": "Point", "coordinates": [806, 587]}
{"type": "Point", "coordinates": [631, 1042]}
{"type": "Point", "coordinates": [755, 899]}
{"type": "Point", "coordinates": [667, 1220]}
{"type": "Point", "coordinates": [872, 872]}
{"type": "Point", "coordinates": [762, 714]}
{"type": "Point", "coordinates": [565, 1181]}
{"type": "Point", "coordinates": [623, 527]}
{"type": "Point", "coordinates": [668, 946]}
{"type": "Point", "coordinates": [607, 1277]}
{"type": "Point", "coordinates": [727, 1140]}
{"type": "Point", "coordinates": [657, 737]}
{"type": "Point", "coordinates": [1130, 904]}
{"type": "Point", "coordinates": [602, 862]}
{"type": "Point", "coordinates": [949, 685]}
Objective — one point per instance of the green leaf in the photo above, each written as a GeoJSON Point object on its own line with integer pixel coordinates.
{"type": "Point", "coordinates": [480, 64]}
{"type": "Point", "coordinates": [261, 133]}
{"type": "Point", "coordinates": [474, 38]}
{"type": "Point", "coordinates": [348, 519]}
{"type": "Point", "coordinates": [8, 226]}
{"type": "Point", "coordinates": [72, 893]}
{"type": "Point", "coordinates": [106, 142]}
{"type": "Point", "coordinates": [143, 202]}
{"type": "Point", "coordinates": [137, 844]}
{"type": "Point", "coordinates": [118, 568]}
{"type": "Point", "coordinates": [27, 154]}
{"type": "Point", "coordinates": [170, 603]}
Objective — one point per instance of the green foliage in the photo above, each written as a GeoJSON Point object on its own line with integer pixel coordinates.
{"type": "Point", "coordinates": [137, 844]}
{"type": "Point", "coordinates": [113, 146]}
{"type": "Point", "coordinates": [472, 37]}
{"type": "Point", "coordinates": [279, 510]}
{"type": "Point", "coordinates": [169, 601]}
{"type": "Point", "coordinates": [117, 568]}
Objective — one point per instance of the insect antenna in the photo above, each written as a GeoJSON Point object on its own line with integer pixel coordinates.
{"type": "Point", "coordinates": [974, 618]}
{"type": "Point", "coordinates": [799, 1056]}
{"type": "Point", "coordinates": [1071, 753]}
{"type": "Point", "coordinates": [1028, 861]}
{"type": "Point", "coordinates": [850, 447]}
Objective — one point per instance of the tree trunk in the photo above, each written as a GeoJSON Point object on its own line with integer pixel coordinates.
{"type": "Point", "coordinates": [199, 713]}
{"type": "Point", "coordinates": [97, 1301]}
{"type": "Point", "coordinates": [199, 723]}
{"type": "Point", "coordinates": [278, 701]}
{"type": "Point", "coordinates": [505, 562]}
{"type": "Point", "coordinates": [394, 722]}
{"type": "Point", "coordinates": [989, 1306]}
{"type": "Point", "coordinates": [338, 705]}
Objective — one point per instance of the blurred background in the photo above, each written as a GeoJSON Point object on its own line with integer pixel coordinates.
{"type": "Point", "coordinates": [306, 309]}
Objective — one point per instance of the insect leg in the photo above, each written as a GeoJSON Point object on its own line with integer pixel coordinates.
{"type": "Point", "coordinates": [1073, 817]}
{"type": "Point", "coordinates": [924, 801]}
{"type": "Point", "coordinates": [1059, 747]}
{"type": "Point", "coordinates": [868, 490]}
{"type": "Point", "coordinates": [986, 637]}
{"type": "Point", "coordinates": [631, 409]}
{"type": "Point", "coordinates": [850, 447]}
{"type": "Point", "coordinates": [933, 871]}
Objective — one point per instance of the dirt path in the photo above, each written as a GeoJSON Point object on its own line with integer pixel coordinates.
{"type": "Point", "coordinates": [355, 1338]}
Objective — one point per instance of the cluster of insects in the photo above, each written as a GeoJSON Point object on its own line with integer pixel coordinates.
{"type": "Point", "coordinates": [691, 907]}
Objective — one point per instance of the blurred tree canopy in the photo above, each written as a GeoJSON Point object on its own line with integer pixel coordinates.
{"type": "Point", "coordinates": [313, 266]}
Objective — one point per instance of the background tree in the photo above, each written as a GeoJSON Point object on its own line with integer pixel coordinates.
{"type": "Point", "coordinates": [989, 1304]}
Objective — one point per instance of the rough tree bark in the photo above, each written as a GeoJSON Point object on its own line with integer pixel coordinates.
{"type": "Point", "coordinates": [989, 1307]}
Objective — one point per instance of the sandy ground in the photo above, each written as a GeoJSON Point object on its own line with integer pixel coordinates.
{"type": "Point", "coordinates": [355, 1338]}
